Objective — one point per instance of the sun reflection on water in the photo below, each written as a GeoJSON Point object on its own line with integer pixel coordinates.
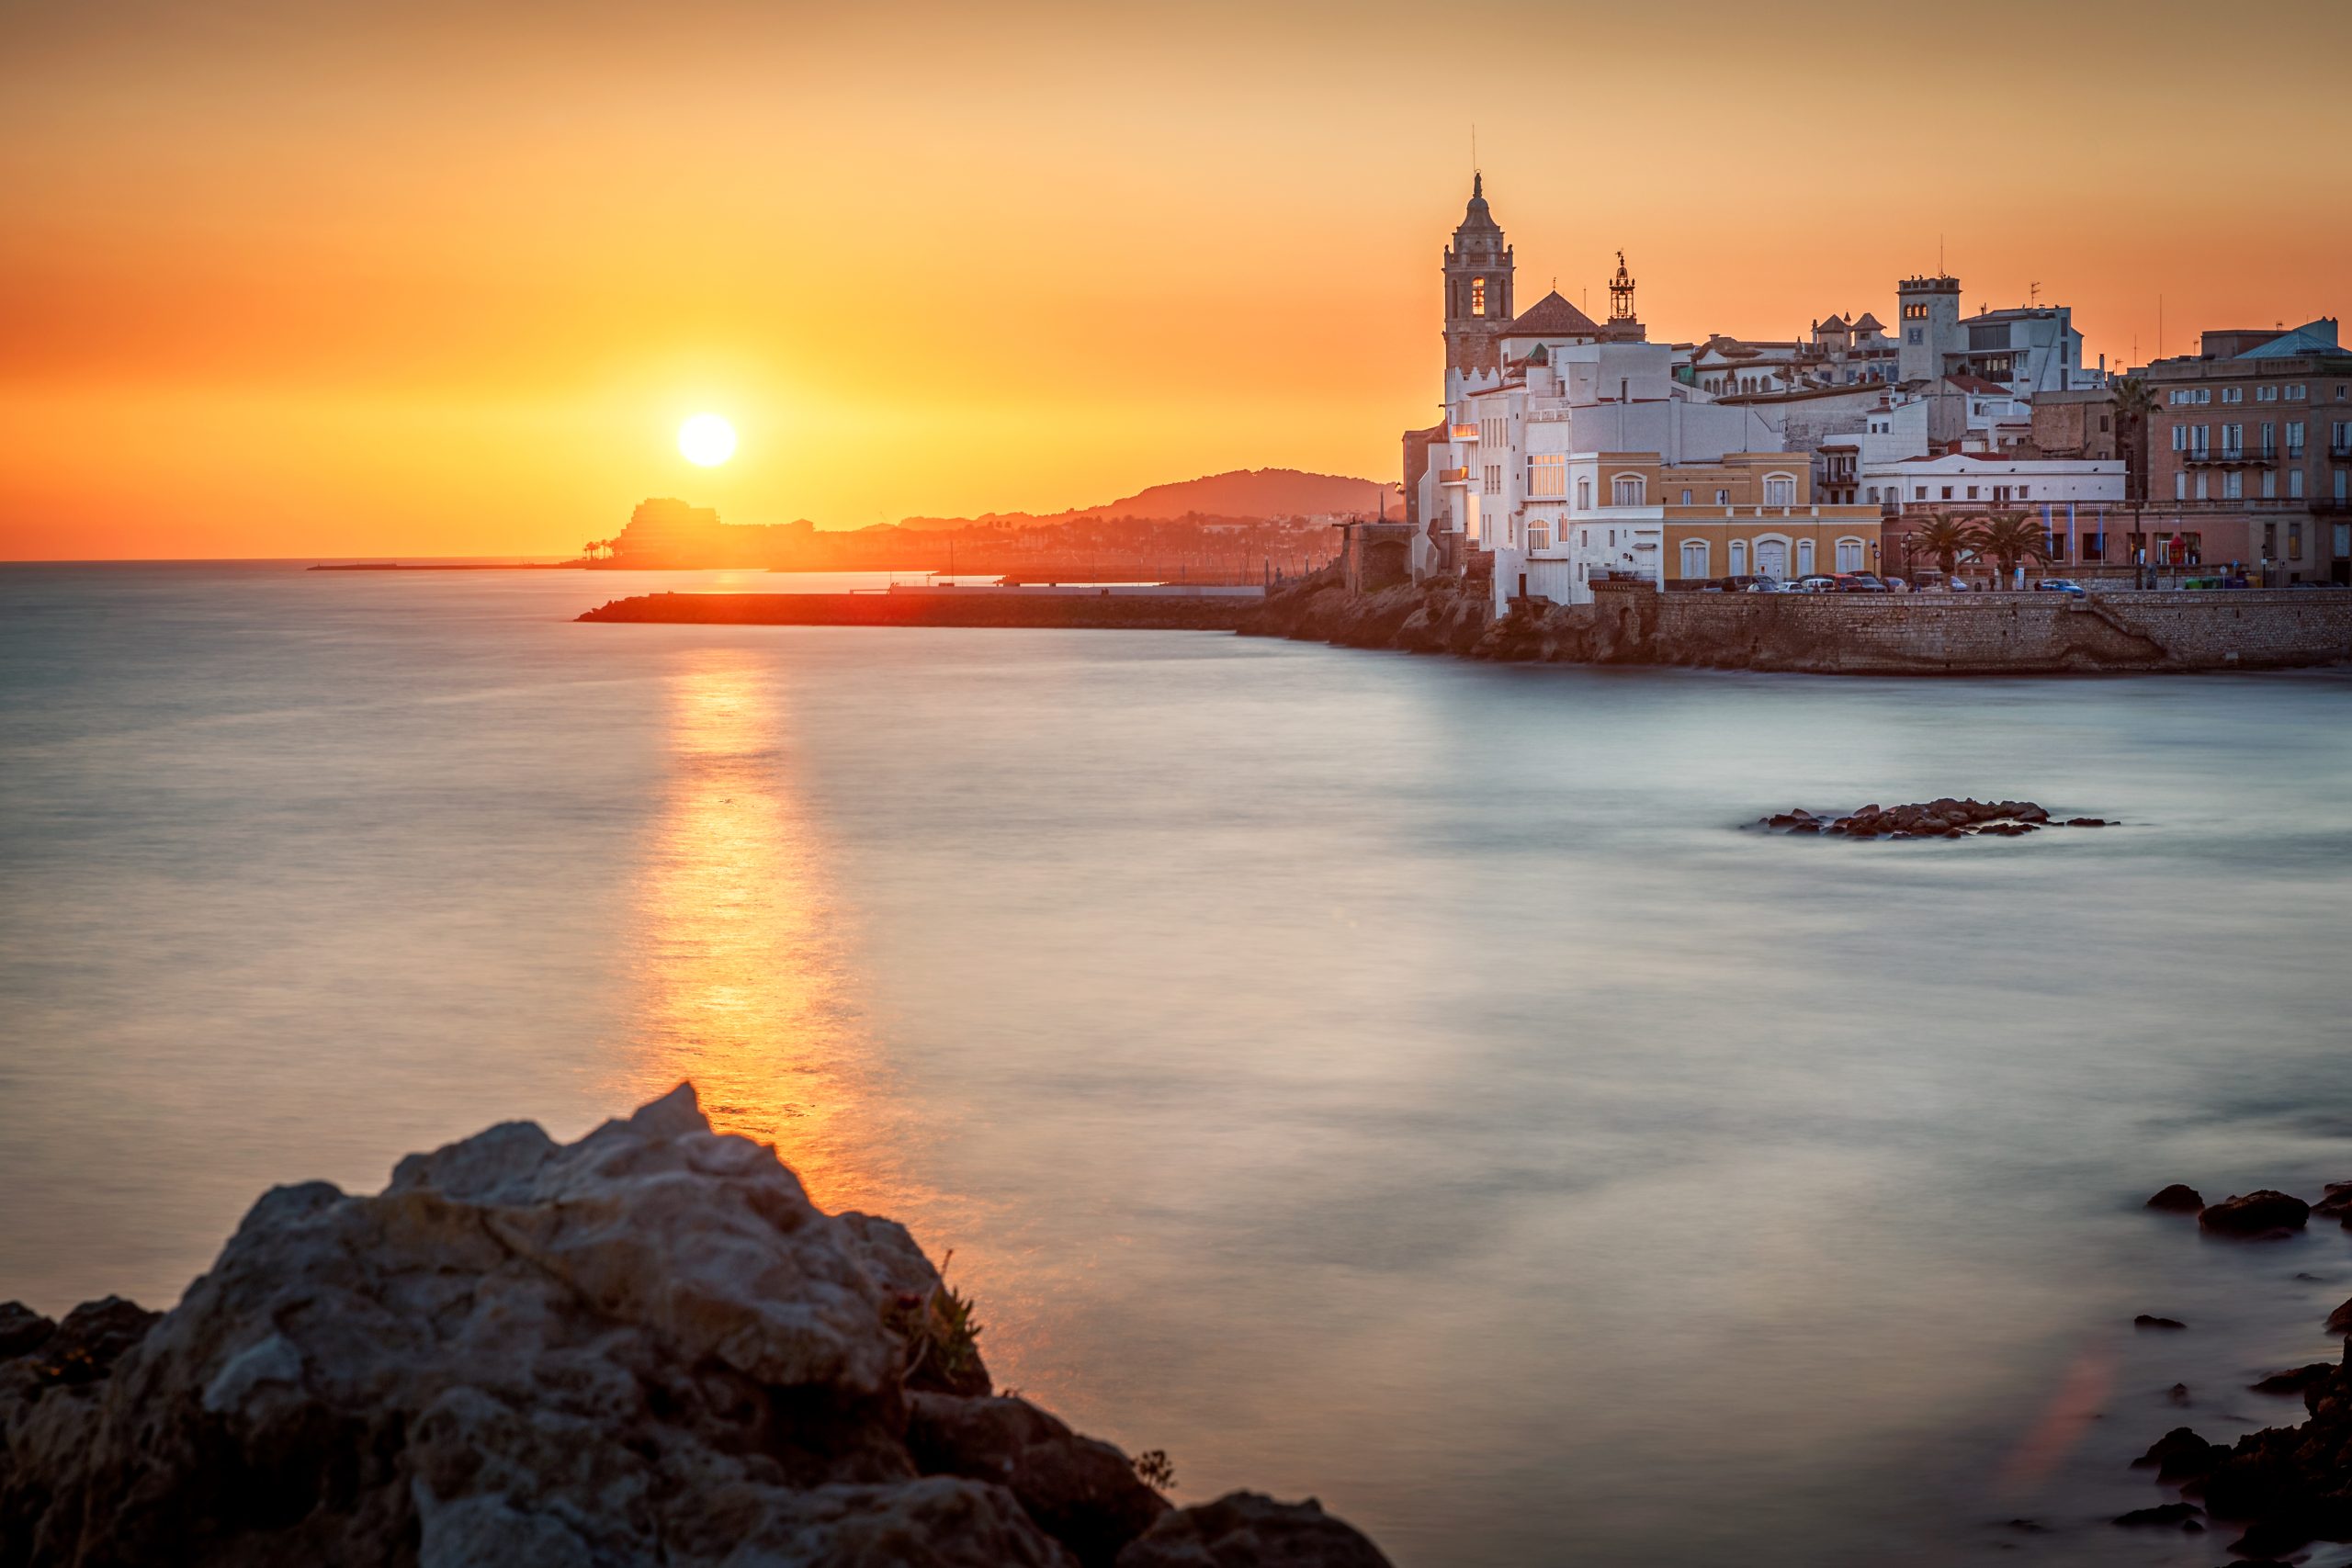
{"type": "Point", "coordinates": [743, 974]}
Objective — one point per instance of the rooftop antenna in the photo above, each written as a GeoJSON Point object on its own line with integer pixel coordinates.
{"type": "Point", "coordinates": [2033, 294]}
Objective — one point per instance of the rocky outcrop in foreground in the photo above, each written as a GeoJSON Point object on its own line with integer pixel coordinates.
{"type": "Point", "coordinates": [644, 1346]}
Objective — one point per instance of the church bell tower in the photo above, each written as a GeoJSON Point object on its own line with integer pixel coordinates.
{"type": "Point", "coordinates": [1477, 288]}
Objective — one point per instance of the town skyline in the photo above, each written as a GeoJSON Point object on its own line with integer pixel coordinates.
{"type": "Point", "coordinates": [1028, 265]}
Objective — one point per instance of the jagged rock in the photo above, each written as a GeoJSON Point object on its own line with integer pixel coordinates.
{"type": "Point", "coordinates": [1081, 1491]}
{"type": "Point", "coordinates": [2335, 1203]}
{"type": "Point", "coordinates": [2177, 1199]}
{"type": "Point", "coordinates": [2340, 1320]}
{"type": "Point", "coordinates": [2144, 1321]}
{"type": "Point", "coordinates": [1246, 1530]}
{"type": "Point", "coordinates": [2258, 1213]}
{"type": "Point", "coordinates": [21, 1330]}
{"type": "Point", "coordinates": [2179, 1454]}
{"type": "Point", "coordinates": [2085, 821]}
{"type": "Point", "coordinates": [2173, 1514]}
{"type": "Point", "coordinates": [646, 1346]}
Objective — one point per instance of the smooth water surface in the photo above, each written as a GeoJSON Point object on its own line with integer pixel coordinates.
{"type": "Point", "coordinates": [1393, 1079]}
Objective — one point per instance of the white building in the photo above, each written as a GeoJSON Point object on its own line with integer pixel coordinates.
{"type": "Point", "coordinates": [1971, 482]}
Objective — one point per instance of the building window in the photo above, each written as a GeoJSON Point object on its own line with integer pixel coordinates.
{"type": "Point", "coordinates": [1871, 493]}
{"type": "Point", "coordinates": [2234, 440]}
{"type": "Point", "coordinates": [2180, 487]}
{"type": "Point", "coordinates": [1686, 498]}
{"type": "Point", "coordinates": [1477, 296]}
{"type": "Point", "coordinates": [1723, 498]}
{"type": "Point", "coordinates": [2233, 394]}
{"type": "Point", "coordinates": [2294, 541]}
{"type": "Point", "coordinates": [1740, 557]}
{"type": "Point", "coordinates": [2295, 393]}
{"type": "Point", "coordinates": [2233, 485]}
{"type": "Point", "coordinates": [1971, 492]}
{"type": "Point", "coordinates": [1805, 557]}
{"type": "Point", "coordinates": [2024, 491]}
{"type": "Point", "coordinates": [1625, 489]}
{"type": "Point", "coordinates": [1539, 535]}
{"type": "Point", "coordinates": [1694, 557]}
{"type": "Point", "coordinates": [1779, 489]}
{"type": "Point", "coordinates": [1584, 495]}
{"type": "Point", "coordinates": [2269, 484]}
{"type": "Point", "coordinates": [1547, 474]}
{"type": "Point", "coordinates": [2266, 394]}
{"type": "Point", "coordinates": [2202, 492]}
{"type": "Point", "coordinates": [1947, 492]}
{"type": "Point", "coordinates": [1850, 554]}
{"type": "Point", "coordinates": [2180, 438]}
{"type": "Point", "coordinates": [2294, 438]}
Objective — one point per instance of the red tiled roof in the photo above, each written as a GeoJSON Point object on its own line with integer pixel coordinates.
{"type": "Point", "coordinates": [1553, 317]}
{"type": "Point", "coordinates": [1971, 383]}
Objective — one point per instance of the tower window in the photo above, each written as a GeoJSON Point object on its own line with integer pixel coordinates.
{"type": "Point", "coordinates": [1477, 296]}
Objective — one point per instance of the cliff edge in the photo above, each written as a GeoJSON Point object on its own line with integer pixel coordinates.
{"type": "Point", "coordinates": [644, 1346]}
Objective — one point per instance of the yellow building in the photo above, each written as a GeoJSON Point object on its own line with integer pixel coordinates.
{"type": "Point", "coordinates": [1746, 513]}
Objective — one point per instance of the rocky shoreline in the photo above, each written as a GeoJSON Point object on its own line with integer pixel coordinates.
{"type": "Point", "coordinates": [644, 1346]}
{"type": "Point", "coordinates": [1942, 818]}
{"type": "Point", "coordinates": [2283, 1487]}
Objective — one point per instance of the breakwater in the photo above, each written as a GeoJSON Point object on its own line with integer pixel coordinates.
{"type": "Point", "coordinates": [1976, 634]}
{"type": "Point", "coordinates": [957, 607]}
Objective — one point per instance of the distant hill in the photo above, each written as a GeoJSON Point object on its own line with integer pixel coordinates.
{"type": "Point", "coordinates": [1243, 494]}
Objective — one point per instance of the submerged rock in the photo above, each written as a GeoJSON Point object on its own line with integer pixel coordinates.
{"type": "Point", "coordinates": [2259, 1213]}
{"type": "Point", "coordinates": [2144, 1321]}
{"type": "Point", "coordinates": [644, 1346]}
{"type": "Point", "coordinates": [2177, 1199]}
{"type": "Point", "coordinates": [1244, 1529]}
{"type": "Point", "coordinates": [2294, 1381]}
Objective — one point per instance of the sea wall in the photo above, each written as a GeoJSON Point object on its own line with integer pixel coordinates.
{"type": "Point", "coordinates": [1172, 611]}
{"type": "Point", "coordinates": [1977, 634]}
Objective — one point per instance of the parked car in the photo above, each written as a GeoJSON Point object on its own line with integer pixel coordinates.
{"type": "Point", "coordinates": [1895, 585]}
{"type": "Point", "coordinates": [1749, 584]}
{"type": "Point", "coordinates": [1861, 582]}
{"type": "Point", "coordinates": [1817, 584]}
{"type": "Point", "coordinates": [2059, 585]}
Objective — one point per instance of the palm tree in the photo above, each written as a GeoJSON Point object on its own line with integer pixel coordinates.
{"type": "Point", "coordinates": [2009, 538]}
{"type": "Point", "coordinates": [1946, 538]}
{"type": "Point", "coordinates": [2134, 401]}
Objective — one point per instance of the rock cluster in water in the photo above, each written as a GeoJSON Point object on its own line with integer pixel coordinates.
{"type": "Point", "coordinates": [1945, 818]}
{"type": "Point", "coordinates": [2285, 1486]}
{"type": "Point", "coordinates": [644, 1346]}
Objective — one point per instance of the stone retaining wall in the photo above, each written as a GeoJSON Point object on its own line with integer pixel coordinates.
{"type": "Point", "coordinates": [1985, 632]}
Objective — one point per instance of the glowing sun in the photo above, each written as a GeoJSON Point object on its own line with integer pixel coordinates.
{"type": "Point", "coordinates": [707, 440]}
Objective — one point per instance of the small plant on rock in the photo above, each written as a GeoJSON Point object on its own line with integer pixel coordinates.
{"type": "Point", "coordinates": [942, 1337]}
{"type": "Point", "coordinates": [1154, 1469]}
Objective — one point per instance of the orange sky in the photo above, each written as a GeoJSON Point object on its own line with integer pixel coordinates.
{"type": "Point", "coordinates": [288, 279]}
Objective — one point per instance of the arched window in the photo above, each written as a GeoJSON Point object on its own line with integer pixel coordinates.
{"type": "Point", "coordinates": [1694, 557]}
{"type": "Point", "coordinates": [1625, 489]}
{"type": "Point", "coordinates": [1584, 494]}
{"type": "Point", "coordinates": [1779, 489]}
{"type": "Point", "coordinates": [1850, 554]}
{"type": "Point", "coordinates": [1740, 557]}
{"type": "Point", "coordinates": [1805, 557]}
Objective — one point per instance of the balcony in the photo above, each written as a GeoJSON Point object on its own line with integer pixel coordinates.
{"type": "Point", "coordinates": [2228, 457]}
{"type": "Point", "coordinates": [1453, 476]}
{"type": "Point", "coordinates": [2340, 449]}
{"type": "Point", "coordinates": [1462, 432]}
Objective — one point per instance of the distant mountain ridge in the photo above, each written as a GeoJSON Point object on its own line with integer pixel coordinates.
{"type": "Point", "coordinates": [1257, 493]}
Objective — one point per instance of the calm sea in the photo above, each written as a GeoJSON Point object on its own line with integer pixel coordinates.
{"type": "Point", "coordinates": [1392, 1080]}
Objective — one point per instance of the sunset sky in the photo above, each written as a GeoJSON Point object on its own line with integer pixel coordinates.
{"type": "Point", "coordinates": [442, 279]}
